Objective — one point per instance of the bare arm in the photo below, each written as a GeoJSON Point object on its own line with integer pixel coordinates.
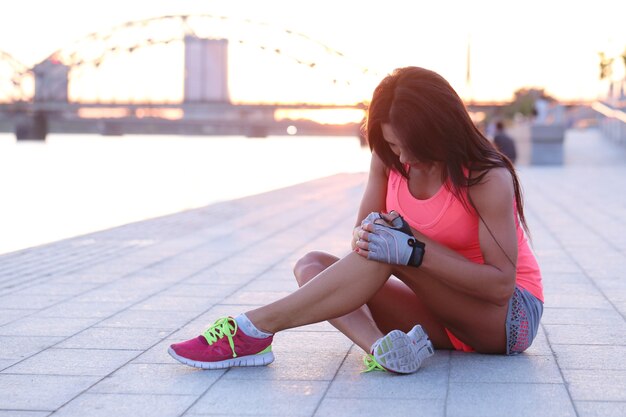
{"type": "Point", "coordinates": [494, 280]}
{"type": "Point", "coordinates": [374, 195]}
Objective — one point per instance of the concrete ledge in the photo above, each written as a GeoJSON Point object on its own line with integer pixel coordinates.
{"type": "Point", "coordinates": [547, 144]}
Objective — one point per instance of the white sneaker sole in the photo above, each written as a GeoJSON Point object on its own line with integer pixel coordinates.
{"type": "Point", "coordinates": [403, 353]}
{"type": "Point", "coordinates": [417, 333]}
{"type": "Point", "coordinates": [250, 360]}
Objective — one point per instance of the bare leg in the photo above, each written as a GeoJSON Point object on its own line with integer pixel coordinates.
{"type": "Point", "coordinates": [476, 322]}
{"type": "Point", "coordinates": [342, 288]}
{"type": "Point", "coordinates": [359, 325]}
{"type": "Point", "coordinates": [394, 306]}
{"type": "Point", "coordinates": [347, 284]}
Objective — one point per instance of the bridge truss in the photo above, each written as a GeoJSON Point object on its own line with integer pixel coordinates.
{"type": "Point", "coordinates": [142, 61]}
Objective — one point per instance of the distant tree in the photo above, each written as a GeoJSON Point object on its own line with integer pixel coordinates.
{"type": "Point", "coordinates": [524, 101]}
{"type": "Point", "coordinates": [606, 65]}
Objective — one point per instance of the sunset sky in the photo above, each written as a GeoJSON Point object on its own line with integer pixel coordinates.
{"type": "Point", "coordinates": [538, 43]}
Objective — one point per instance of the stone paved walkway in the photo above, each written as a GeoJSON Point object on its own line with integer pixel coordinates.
{"type": "Point", "coordinates": [85, 322]}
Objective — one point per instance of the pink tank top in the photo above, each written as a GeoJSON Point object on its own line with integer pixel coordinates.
{"type": "Point", "coordinates": [444, 219]}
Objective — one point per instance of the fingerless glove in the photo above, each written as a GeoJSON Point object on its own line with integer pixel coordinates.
{"type": "Point", "coordinates": [395, 245]}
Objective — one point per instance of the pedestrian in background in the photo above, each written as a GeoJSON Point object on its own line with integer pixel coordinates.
{"type": "Point", "coordinates": [504, 143]}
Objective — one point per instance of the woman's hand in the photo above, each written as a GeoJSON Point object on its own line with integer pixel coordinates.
{"type": "Point", "coordinates": [360, 240]}
{"type": "Point", "coordinates": [355, 237]}
{"type": "Point", "coordinates": [387, 237]}
{"type": "Point", "coordinates": [360, 232]}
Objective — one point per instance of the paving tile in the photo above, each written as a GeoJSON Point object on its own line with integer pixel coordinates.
{"type": "Point", "coordinates": [110, 295]}
{"type": "Point", "coordinates": [9, 315]}
{"type": "Point", "coordinates": [210, 291]}
{"type": "Point", "coordinates": [613, 284]}
{"type": "Point", "coordinates": [223, 275]}
{"type": "Point", "coordinates": [568, 288]}
{"type": "Point", "coordinates": [596, 385]}
{"type": "Point", "coordinates": [46, 326]}
{"type": "Point", "coordinates": [83, 362]}
{"type": "Point", "coordinates": [88, 276]}
{"type": "Point", "coordinates": [468, 367]}
{"type": "Point", "coordinates": [230, 271]}
{"type": "Point", "coordinates": [364, 407]}
{"type": "Point", "coordinates": [6, 363]}
{"type": "Point", "coordinates": [293, 366]}
{"type": "Point", "coordinates": [232, 413]}
{"type": "Point", "coordinates": [157, 354]}
{"type": "Point", "coordinates": [114, 338]}
{"type": "Point", "coordinates": [564, 266]}
{"type": "Point", "coordinates": [309, 341]}
{"type": "Point", "coordinates": [540, 345]}
{"type": "Point", "coordinates": [164, 320]}
{"type": "Point", "coordinates": [254, 297]}
{"type": "Point", "coordinates": [578, 301]}
{"type": "Point", "coordinates": [430, 382]}
{"type": "Point", "coordinates": [511, 400]}
{"type": "Point", "coordinates": [166, 379]}
{"type": "Point", "coordinates": [279, 274]}
{"type": "Point", "coordinates": [41, 392]}
{"type": "Point", "coordinates": [621, 307]}
{"type": "Point", "coordinates": [611, 334]}
{"type": "Point", "coordinates": [279, 398]}
{"type": "Point", "coordinates": [606, 259]}
{"type": "Point", "coordinates": [590, 357]}
{"type": "Point", "coordinates": [74, 309]}
{"type": "Point", "coordinates": [165, 302]}
{"type": "Point", "coordinates": [15, 413]}
{"type": "Point", "coordinates": [272, 285]}
{"type": "Point", "coordinates": [552, 280]}
{"type": "Point", "coordinates": [20, 347]}
{"type": "Point", "coordinates": [18, 301]}
{"type": "Point", "coordinates": [57, 289]}
{"type": "Point", "coordinates": [580, 316]}
{"type": "Point", "coordinates": [599, 274]}
{"type": "Point", "coordinates": [617, 297]}
{"type": "Point", "coordinates": [135, 405]}
{"type": "Point", "coordinates": [600, 409]}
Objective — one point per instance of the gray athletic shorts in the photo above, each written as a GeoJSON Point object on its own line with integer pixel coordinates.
{"type": "Point", "coordinates": [522, 321]}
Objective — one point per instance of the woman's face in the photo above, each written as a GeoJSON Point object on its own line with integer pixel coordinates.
{"type": "Point", "coordinates": [398, 147]}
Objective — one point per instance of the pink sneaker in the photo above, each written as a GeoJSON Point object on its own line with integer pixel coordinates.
{"type": "Point", "coordinates": [222, 346]}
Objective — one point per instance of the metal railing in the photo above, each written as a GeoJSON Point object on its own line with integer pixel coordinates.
{"type": "Point", "coordinates": [613, 124]}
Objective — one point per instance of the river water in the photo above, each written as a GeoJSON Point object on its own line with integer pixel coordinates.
{"type": "Point", "coordinates": [76, 184]}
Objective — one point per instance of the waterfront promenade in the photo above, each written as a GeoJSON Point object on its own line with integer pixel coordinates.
{"type": "Point", "coordinates": [85, 322]}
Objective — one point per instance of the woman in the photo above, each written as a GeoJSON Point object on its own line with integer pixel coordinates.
{"type": "Point", "coordinates": [440, 254]}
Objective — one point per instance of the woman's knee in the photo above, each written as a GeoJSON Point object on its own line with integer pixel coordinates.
{"type": "Point", "coordinates": [312, 264]}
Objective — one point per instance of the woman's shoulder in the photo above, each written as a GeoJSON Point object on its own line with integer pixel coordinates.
{"type": "Point", "coordinates": [377, 166]}
{"type": "Point", "coordinates": [492, 176]}
{"type": "Point", "coordinates": [494, 182]}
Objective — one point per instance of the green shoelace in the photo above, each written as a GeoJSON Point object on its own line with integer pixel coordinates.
{"type": "Point", "coordinates": [372, 364]}
{"type": "Point", "coordinates": [222, 327]}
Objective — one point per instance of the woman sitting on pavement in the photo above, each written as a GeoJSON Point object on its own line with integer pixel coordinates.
{"type": "Point", "coordinates": [440, 254]}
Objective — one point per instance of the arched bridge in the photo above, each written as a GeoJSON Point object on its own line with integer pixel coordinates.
{"type": "Point", "coordinates": [201, 74]}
